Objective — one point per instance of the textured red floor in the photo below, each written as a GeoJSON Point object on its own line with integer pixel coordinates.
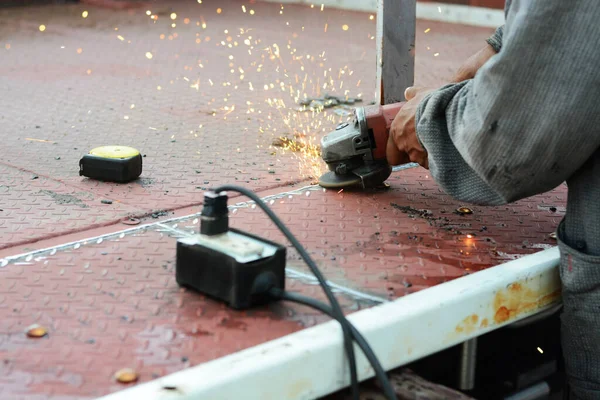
{"type": "Point", "coordinates": [394, 242]}
{"type": "Point", "coordinates": [114, 303]}
{"type": "Point", "coordinates": [88, 82]}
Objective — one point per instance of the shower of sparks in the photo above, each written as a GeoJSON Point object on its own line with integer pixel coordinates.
{"type": "Point", "coordinates": [298, 130]}
{"type": "Point", "coordinates": [294, 130]}
{"type": "Point", "coordinates": [39, 140]}
{"type": "Point", "coordinates": [280, 77]}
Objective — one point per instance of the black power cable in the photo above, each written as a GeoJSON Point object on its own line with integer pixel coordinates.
{"type": "Point", "coordinates": [356, 335]}
{"type": "Point", "coordinates": [349, 348]}
{"type": "Point", "coordinates": [336, 310]}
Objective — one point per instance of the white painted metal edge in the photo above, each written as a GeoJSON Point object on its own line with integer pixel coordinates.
{"type": "Point", "coordinates": [459, 14]}
{"type": "Point", "coordinates": [453, 13]}
{"type": "Point", "coordinates": [353, 5]}
{"type": "Point", "coordinates": [310, 363]}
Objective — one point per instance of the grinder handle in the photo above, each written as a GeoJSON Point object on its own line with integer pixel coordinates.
{"type": "Point", "coordinates": [390, 111]}
{"type": "Point", "coordinates": [379, 119]}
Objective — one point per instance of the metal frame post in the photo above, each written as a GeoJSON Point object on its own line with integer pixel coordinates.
{"type": "Point", "coordinates": [468, 361]}
{"type": "Point", "coordinates": [396, 27]}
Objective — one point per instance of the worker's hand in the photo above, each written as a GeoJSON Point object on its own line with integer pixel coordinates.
{"type": "Point", "coordinates": [473, 63]}
{"type": "Point", "coordinates": [403, 145]}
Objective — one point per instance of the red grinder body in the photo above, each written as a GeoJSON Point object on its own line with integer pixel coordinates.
{"type": "Point", "coordinates": [379, 119]}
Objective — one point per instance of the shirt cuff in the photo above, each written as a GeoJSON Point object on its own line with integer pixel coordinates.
{"type": "Point", "coordinates": [496, 39]}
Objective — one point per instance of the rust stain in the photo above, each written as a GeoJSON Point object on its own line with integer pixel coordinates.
{"type": "Point", "coordinates": [503, 314]}
{"type": "Point", "coordinates": [468, 325]}
{"type": "Point", "coordinates": [518, 299]}
{"type": "Point", "coordinates": [508, 304]}
{"type": "Point", "coordinates": [298, 388]}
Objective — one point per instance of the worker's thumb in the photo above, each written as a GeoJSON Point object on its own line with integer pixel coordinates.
{"type": "Point", "coordinates": [410, 92]}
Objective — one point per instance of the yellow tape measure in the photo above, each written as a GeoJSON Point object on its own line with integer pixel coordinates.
{"type": "Point", "coordinates": [114, 152]}
{"type": "Point", "coordinates": [112, 163]}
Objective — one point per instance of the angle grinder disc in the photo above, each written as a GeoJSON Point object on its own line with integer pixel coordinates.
{"type": "Point", "coordinates": [331, 180]}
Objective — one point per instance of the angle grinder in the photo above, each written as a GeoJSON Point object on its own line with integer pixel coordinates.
{"type": "Point", "coordinates": [355, 152]}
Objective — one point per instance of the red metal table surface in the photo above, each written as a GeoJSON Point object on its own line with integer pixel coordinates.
{"type": "Point", "coordinates": [113, 303]}
{"type": "Point", "coordinates": [73, 86]}
{"type": "Point", "coordinates": [34, 207]}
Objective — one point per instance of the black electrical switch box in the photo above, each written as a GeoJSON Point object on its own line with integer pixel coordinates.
{"type": "Point", "coordinates": [235, 267]}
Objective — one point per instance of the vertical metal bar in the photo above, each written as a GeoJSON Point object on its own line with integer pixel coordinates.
{"type": "Point", "coordinates": [396, 24]}
{"type": "Point", "coordinates": [468, 360]}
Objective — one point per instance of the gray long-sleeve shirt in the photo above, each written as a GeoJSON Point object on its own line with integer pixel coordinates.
{"type": "Point", "coordinates": [530, 118]}
{"type": "Point", "coordinates": [527, 122]}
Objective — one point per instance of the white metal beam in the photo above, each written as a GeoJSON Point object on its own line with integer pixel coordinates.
{"type": "Point", "coordinates": [310, 363]}
{"type": "Point", "coordinates": [429, 10]}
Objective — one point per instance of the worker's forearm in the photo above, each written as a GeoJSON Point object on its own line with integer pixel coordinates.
{"type": "Point", "coordinates": [529, 118]}
{"type": "Point", "coordinates": [447, 165]}
{"type": "Point", "coordinates": [473, 64]}
{"type": "Point", "coordinates": [477, 60]}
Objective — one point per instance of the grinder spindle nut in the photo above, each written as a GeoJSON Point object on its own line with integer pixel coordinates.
{"type": "Point", "coordinates": [341, 169]}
